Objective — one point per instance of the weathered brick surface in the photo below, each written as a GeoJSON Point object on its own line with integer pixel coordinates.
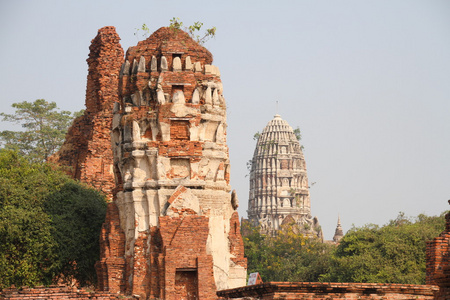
{"type": "Point", "coordinates": [325, 291]}
{"type": "Point", "coordinates": [110, 268]}
{"type": "Point", "coordinates": [236, 242]}
{"type": "Point", "coordinates": [87, 150]}
{"type": "Point", "coordinates": [56, 293]}
{"type": "Point", "coordinates": [184, 249]}
{"type": "Point", "coordinates": [438, 261]}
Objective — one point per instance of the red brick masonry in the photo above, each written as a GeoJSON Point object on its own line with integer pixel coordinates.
{"type": "Point", "coordinates": [87, 149]}
{"type": "Point", "coordinates": [56, 293]}
{"type": "Point", "coordinates": [315, 290]}
{"type": "Point", "coordinates": [438, 261]}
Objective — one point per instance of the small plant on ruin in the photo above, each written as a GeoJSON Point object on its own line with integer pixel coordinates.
{"type": "Point", "coordinates": [298, 134]}
{"type": "Point", "coordinates": [194, 30]}
{"type": "Point", "coordinates": [143, 32]}
{"type": "Point", "coordinates": [292, 191]}
{"type": "Point", "coordinates": [256, 136]}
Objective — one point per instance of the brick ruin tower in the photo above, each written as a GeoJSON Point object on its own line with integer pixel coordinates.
{"type": "Point", "coordinates": [172, 229]}
{"type": "Point", "coordinates": [438, 261]}
{"type": "Point", "coordinates": [86, 151]}
{"type": "Point", "coordinates": [279, 192]}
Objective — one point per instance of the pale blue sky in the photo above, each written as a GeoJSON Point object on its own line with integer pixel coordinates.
{"type": "Point", "coordinates": [366, 81]}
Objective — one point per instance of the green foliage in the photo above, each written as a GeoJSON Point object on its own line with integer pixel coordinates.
{"type": "Point", "coordinates": [394, 253]}
{"type": "Point", "coordinates": [256, 136]}
{"type": "Point", "coordinates": [298, 134]}
{"type": "Point", "coordinates": [175, 23]}
{"type": "Point", "coordinates": [194, 30]}
{"type": "Point", "coordinates": [45, 128]}
{"type": "Point", "coordinates": [49, 224]}
{"type": "Point", "coordinates": [145, 31]}
{"type": "Point", "coordinates": [77, 214]}
{"type": "Point", "coordinates": [285, 257]}
{"type": "Point", "coordinates": [27, 250]}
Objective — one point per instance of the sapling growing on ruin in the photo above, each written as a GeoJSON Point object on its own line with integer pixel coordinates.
{"type": "Point", "coordinates": [194, 30]}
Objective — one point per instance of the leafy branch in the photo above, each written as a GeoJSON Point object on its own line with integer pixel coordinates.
{"type": "Point", "coordinates": [145, 31]}
{"type": "Point", "coordinates": [194, 30]}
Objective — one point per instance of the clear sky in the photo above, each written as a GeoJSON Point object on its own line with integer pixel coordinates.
{"type": "Point", "coordinates": [368, 83]}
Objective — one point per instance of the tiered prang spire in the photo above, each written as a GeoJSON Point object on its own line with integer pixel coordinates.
{"type": "Point", "coordinates": [279, 192]}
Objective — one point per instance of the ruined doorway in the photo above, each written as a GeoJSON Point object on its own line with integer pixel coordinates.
{"type": "Point", "coordinates": [186, 284]}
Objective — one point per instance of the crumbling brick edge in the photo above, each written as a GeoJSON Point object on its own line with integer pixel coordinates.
{"type": "Point", "coordinates": [57, 292]}
{"type": "Point", "coordinates": [306, 290]}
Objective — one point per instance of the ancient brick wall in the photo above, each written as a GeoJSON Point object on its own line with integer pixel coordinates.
{"type": "Point", "coordinates": [184, 245]}
{"type": "Point", "coordinates": [310, 290]}
{"type": "Point", "coordinates": [56, 293]}
{"type": "Point", "coordinates": [236, 242]}
{"type": "Point", "coordinates": [438, 261]}
{"type": "Point", "coordinates": [87, 150]}
{"type": "Point", "coordinates": [110, 268]}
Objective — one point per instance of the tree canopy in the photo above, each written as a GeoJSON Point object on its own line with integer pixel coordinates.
{"type": "Point", "coordinates": [393, 253]}
{"type": "Point", "coordinates": [285, 257]}
{"type": "Point", "coordinates": [44, 126]}
{"type": "Point", "coordinates": [49, 224]}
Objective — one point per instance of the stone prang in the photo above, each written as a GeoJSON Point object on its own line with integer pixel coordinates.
{"type": "Point", "coordinates": [172, 229]}
{"type": "Point", "coordinates": [279, 192]}
{"type": "Point", "coordinates": [339, 233]}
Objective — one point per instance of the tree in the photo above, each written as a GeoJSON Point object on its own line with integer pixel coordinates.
{"type": "Point", "coordinates": [285, 257]}
{"type": "Point", "coordinates": [77, 214]}
{"type": "Point", "coordinates": [27, 248]}
{"type": "Point", "coordinates": [49, 224]}
{"type": "Point", "coordinates": [45, 128]}
{"type": "Point", "coordinates": [394, 253]}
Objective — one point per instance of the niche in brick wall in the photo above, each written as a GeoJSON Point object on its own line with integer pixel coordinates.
{"type": "Point", "coordinates": [148, 134]}
{"type": "Point", "coordinates": [177, 89]}
{"type": "Point", "coordinates": [210, 131]}
{"type": "Point", "coordinates": [186, 284]}
{"type": "Point", "coordinates": [180, 168]}
{"type": "Point", "coordinates": [179, 130]}
{"type": "Point", "coordinates": [175, 56]}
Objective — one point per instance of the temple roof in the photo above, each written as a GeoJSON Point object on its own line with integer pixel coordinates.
{"type": "Point", "coordinates": [278, 130]}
